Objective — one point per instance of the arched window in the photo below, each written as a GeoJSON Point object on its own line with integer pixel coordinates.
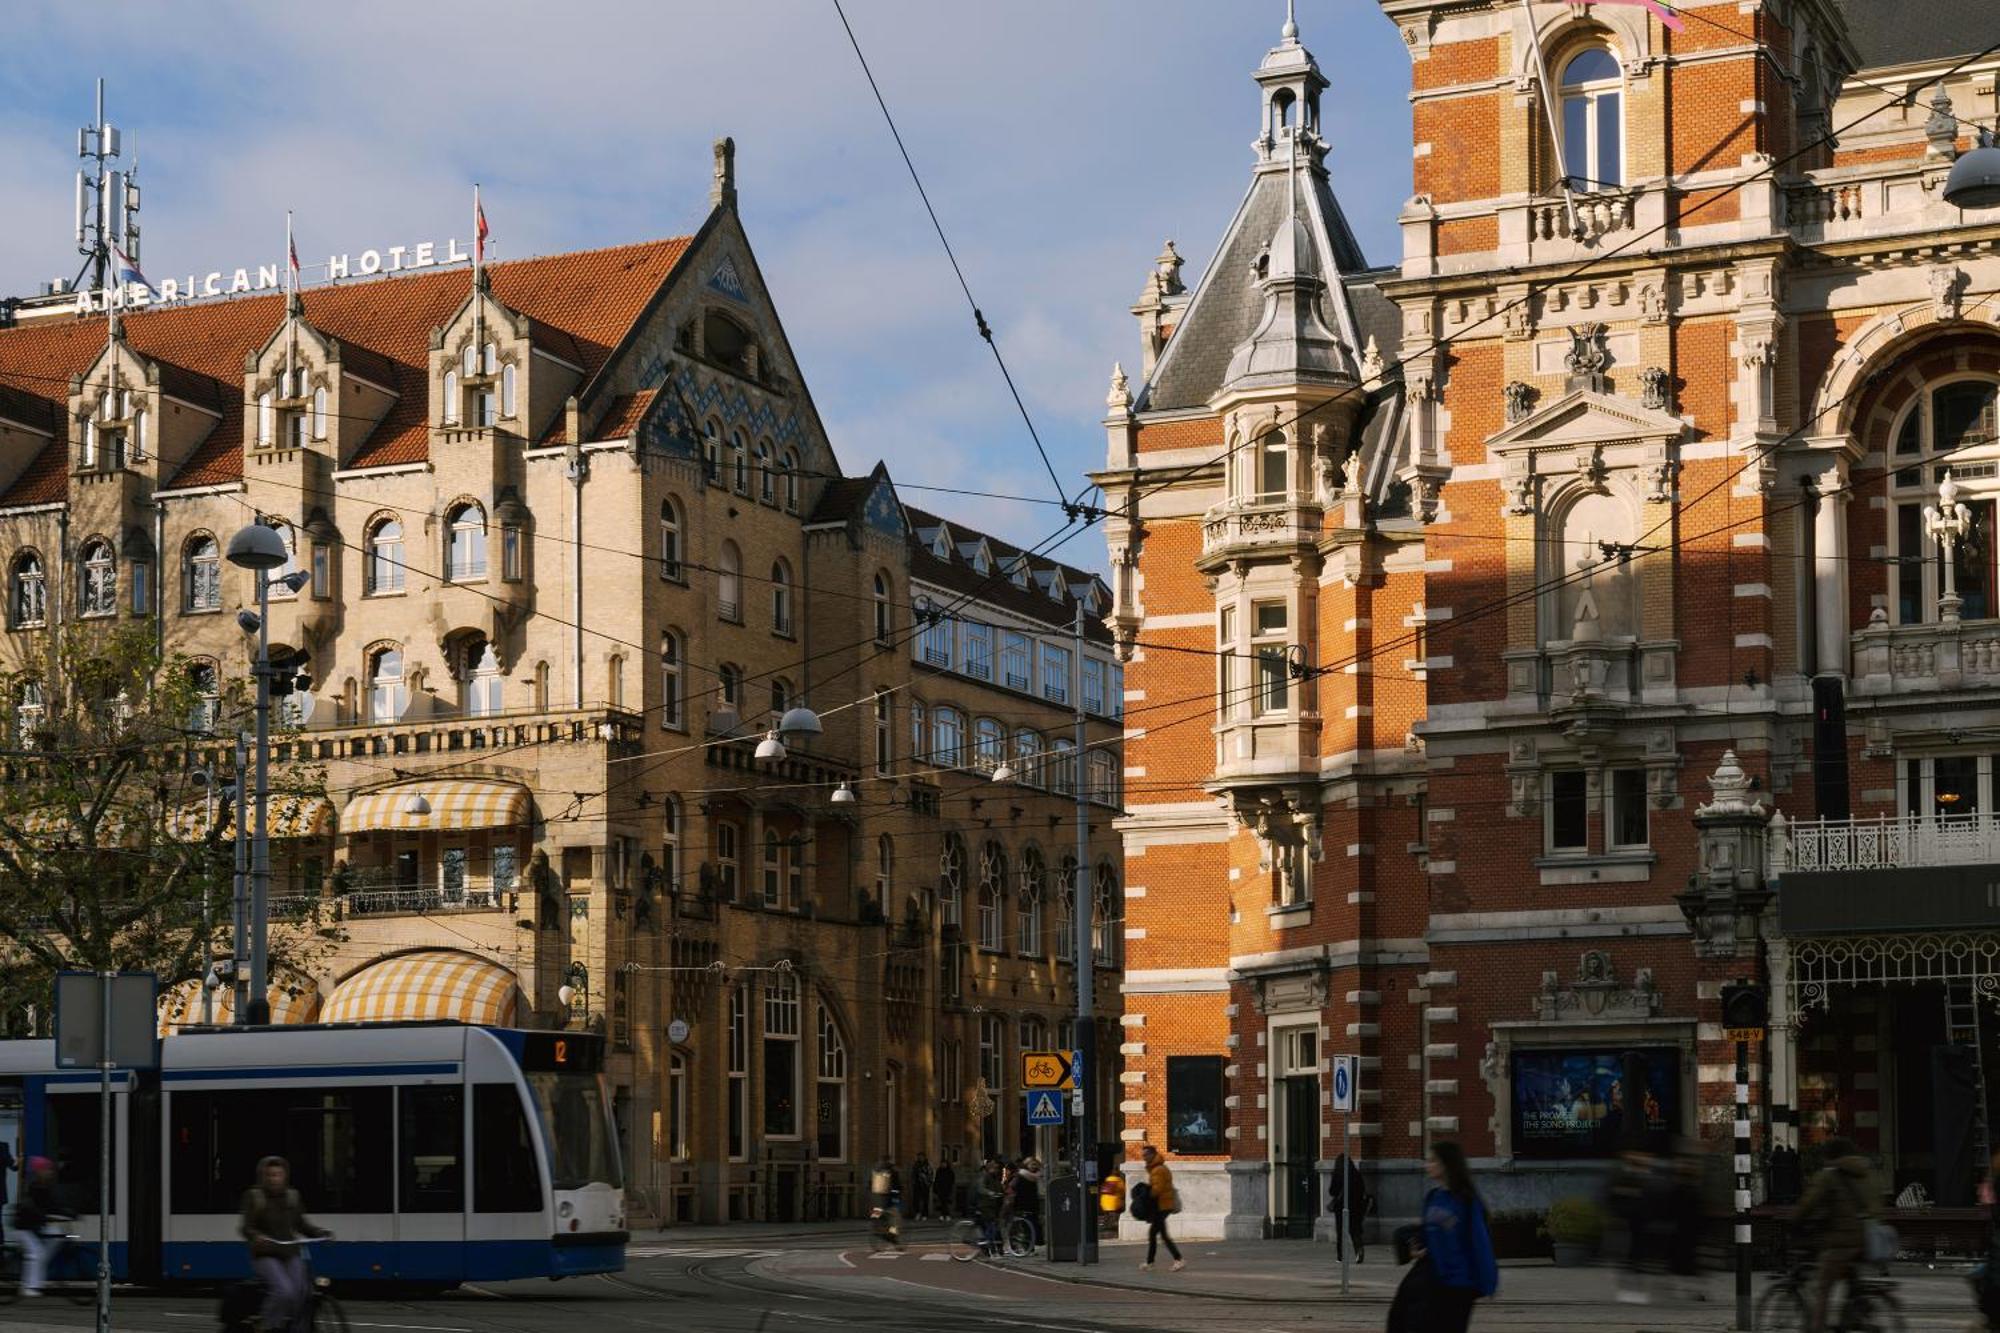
{"type": "Point", "coordinates": [99, 586]}
{"type": "Point", "coordinates": [388, 696]}
{"type": "Point", "coordinates": [670, 540]}
{"type": "Point", "coordinates": [507, 390]}
{"type": "Point", "coordinates": [1107, 923]}
{"type": "Point", "coordinates": [267, 419]}
{"type": "Point", "coordinates": [992, 889]}
{"type": "Point", "coordinates": [1593, 120]}
{"type": "Point", "coordinates": [1594, 584]}
{"type": "Point", "coordinates": [781, 598]}
{"type": "Point", "coordinates": [1273, 460]}
{"type": "Point", "coordinates": [739, 462]}
{"type": "Point", "coordinates": [29, 597]}
{"type": "Point", "coordinates": [465, 543]}
{"type": "Point", "coordinates": [136, 433]}
{"type": "Point", "coordinates": [1066, 911]}
{"type": "Point", "coordinates": [1943, 429]}
{"type": "Point", "coordinates": [1027, 758]}
{"type": "Point", "coordinates": [541, 686]}
{"type": "Point", "coordinates": [670, 836]}
{"type": "Point", "coordinates": [1062, 767]}
{"type": "Point", "coordinates": [449, 412]}
{"type": "Point", "coordinates": [885, 738]}
{"type": "Point", "coordinates": [479, 677]}
{"type": "Point", "coordinates": [781, 1055]}
{"type": "Point", "coordinates": [672, 688]}
{"type": "Point", "coordinates": [290, 537]}
{"type": "Point", "coordinates": [614, 681]}
{"type": "Point", "coordinates": [885, 870]}
{"type": "Point", "coordinates": [1028, 903]}
{"type": "Point", "coordinates": [729, 583]}
{"type": "Point", "coordinates": [791, 470]}
{"type": "Point", "coordinates": [87, 446]}
{"type": "Point", "coordinates": [951, 879]}
{"type": "Point", "coordinates": [832, 1090]}
{"type": "Point", "coordinates": [767, 481]}
{"type": "Point", "coordinates": [947, 736]}
{"type": "Point", "coordinates": [711, 451]}
{"type": "Point", "coordinates": [729, 684]}
{"type": "Point", "coordinates": [781, 697]}
{"type": "Point", "coordinates": [202, 582]}
{"type": "Point", "coordinates": [204, 683]}
{"type": "Point", "coordinates": [319, 413]}
{"type": "Point", "coordinates": [989, 744]}
{"type": "Point", "coordinates": [385, 557]}
{"type": "Point", "coordinates": [884, 621]}
{"type": "Point", "coordinates": [30, 712]}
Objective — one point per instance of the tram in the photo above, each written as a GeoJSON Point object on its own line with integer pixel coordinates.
{"type": "Point", "coordinates": [436, 1152]}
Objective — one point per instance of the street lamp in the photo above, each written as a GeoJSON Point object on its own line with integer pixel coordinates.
{"type": "Point", "coordinates": [260, 549]}
{"type": "Point", "coordinates": [1948, 522]}
{"type": "Point", "coordinates": [843, 794]}
{"type": "Point", "coordinates": [1004, 772]}
{"type": "Point", "coordinates": [798, 724]}
{"type": "Point", "coordinates": [1974, 181]}
{"type": "Point", "coordinates": [415, 804]}
{"type": "Point", "coordinates": [770, 747]}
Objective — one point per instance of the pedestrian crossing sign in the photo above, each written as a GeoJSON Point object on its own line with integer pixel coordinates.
{"type": "Point", "coordinates": [1045, 1106]}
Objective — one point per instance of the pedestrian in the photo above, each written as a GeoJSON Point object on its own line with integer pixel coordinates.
{"type": "Point", "coordinates": [37, 1208]}
{"type": "Point", "coordinates": [273, 1214]}
{"type": "Point", "coordinates": [8, 1166]}
{"type": "Point", "coordinates": [1986, 1278]}
{"type": "Point", "coordinates": [945, 1188]}
{"type": "Point", "coordinates": [920, 1187]}
{"type": "Point", "coordinates": [1164, 1204]}
{"type": "Point", "coordinates": [1457, 1241]}
{"type": "Point", "coordinates": [1837, 1205]}
{"type": "Point", "coordinates": [1024, 1194]}
{"type": "Point", "coordinates": [1629, 1196]}
{"type": "Point", "coordinates": [1347, 1178]}
{"type": "Point", "coordinates": [884, 1203]}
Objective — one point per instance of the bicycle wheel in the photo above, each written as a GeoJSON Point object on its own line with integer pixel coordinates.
{"type": "Point", "coordinates": [1881, 1313]}
{"type": "Point", "coordinates": [327, 1316]}
{"type": "Point", "coordinates": [964, 1242]}
{"type": "Point", "coordinates": [1020, 1238]}
{"type": "Point", "coordinates": [1782, 1307]}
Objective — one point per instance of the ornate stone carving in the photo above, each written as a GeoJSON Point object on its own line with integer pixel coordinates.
{"type": "Point", "coordinates": [1426, 490]}
{"type": "Point", "coordinates": [1371, 362]}
{"type": "Point", "coordinates": [1760, 350]}
{"type": "Point", "coordinates": [1520, 397]}
{"type": "Point", "coordinates": [1521, 493]}
{"type": "Point", "coordinates": [1653, 303]}
{"type": "Point", "coordinates": [1941, 128]}
{"type": "Point", "coordinates": [1596, 993]}
{"type": "Point", "coordinates": [1589, 356]}
{"type": "Point", "coordinates": [1660, 478]}
{"type": "Point", "coordinates": [1655, 387]}
{"type": "Point", "coordinates": [1119, 399]}
{"type": "Point", "coordinates": [1947, 285]}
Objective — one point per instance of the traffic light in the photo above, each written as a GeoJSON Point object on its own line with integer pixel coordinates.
{"type": "Point", "coordinates": [1744, 1005]}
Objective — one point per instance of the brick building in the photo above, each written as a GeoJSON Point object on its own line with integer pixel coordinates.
{"type": "Point", "coordinates": [1518, 567]}
{"type": "Point", "coordinates": [577, 541]}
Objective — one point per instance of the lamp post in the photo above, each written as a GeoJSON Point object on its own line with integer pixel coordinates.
{"type": "Point", "coordinates": [1948, 522]}
{"type": "Point", "coordinates": [260, 549]}
{"type": "Point", "coordinates": [1974, 181]}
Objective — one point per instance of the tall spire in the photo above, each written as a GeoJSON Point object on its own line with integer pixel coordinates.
{"type": "Point", "coordinates": [1289, 84]}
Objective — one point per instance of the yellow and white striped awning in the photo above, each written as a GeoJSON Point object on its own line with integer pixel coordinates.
{"type": "Point", "coordinates": [181, 1006]}
{"type": "Point", "coordinates": [291, 816]}
{"type": "Point", "coordinates": [430, 983]}
{"type": "Point", "coordinates": [462, 803]}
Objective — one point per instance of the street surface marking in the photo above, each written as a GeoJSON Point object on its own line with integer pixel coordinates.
{"type": "Point", "coordinates": [698, 1252]}
{"type": "Point", "coordinates": [924, 1286]}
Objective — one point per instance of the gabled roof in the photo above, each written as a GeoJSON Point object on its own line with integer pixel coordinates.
{"type": "Point", "coordinates": [1901, 32]}
{"type": "Point", "coordinates": [580, 305]}
{"type": "Point", "coordinates": [1228, 303]}
{"type": "Point", "coordinates": [994, 588]}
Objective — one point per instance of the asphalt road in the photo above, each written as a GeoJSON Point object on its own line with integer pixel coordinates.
{"type": "Point", "coordinates": [799, 1285]}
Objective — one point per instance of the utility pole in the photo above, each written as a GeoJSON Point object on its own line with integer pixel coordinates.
{"type": "Point", "coordinates": [1086, 1022]}
{"type": "Point", "coordinates": [239, 951]}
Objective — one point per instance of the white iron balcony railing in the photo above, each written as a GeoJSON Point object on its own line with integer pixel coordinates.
{"type": "Point", "coordinates": [1883, 842]}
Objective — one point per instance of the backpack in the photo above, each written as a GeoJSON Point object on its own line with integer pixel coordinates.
{"type": "Point", "coordinates": [1142, 1202]}
{"type": "Point", "coordinates": [1879, 1241]}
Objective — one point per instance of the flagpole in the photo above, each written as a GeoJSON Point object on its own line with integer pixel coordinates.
{"type": "Point", "coordinates": [1546, 95]}
{"type": "Point", "coordinates": [478, 268]}
{"type": "Point", "coordinates": [291, 306]}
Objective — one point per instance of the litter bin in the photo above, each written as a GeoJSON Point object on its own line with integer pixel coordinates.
{"type": "Point", "coordinates": [1067, 1218]}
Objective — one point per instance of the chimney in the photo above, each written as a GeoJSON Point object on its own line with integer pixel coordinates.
{"type": "Point", "coordinates": [722, 194]}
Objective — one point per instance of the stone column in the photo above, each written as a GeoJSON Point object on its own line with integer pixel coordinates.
{"type": "Point", "coordinates": [1830, 572]}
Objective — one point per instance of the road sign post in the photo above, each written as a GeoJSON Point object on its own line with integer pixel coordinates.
{"type": "Point", "coordinates": [110, 1020]}
{"type": "Point", "coordinates": [1345, 1068]}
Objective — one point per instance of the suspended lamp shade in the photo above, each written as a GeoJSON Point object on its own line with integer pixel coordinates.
{"type": "Point", "coordinates": [799, 721]}
{"type": "Point", "coordinates": [1975, 179]}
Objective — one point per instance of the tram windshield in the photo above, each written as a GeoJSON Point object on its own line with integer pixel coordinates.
{"type": "Point", "coordinates": [576, 1121]}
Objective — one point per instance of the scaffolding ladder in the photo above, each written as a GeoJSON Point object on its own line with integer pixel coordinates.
{"type": "Point", "coordinates": [1961, 1022]}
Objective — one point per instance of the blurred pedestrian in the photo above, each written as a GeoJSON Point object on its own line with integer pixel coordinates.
{"type": "Point", "coordinates": [920, 1187]}
{"type": "Point", "coordinates": [1834, 1212]}
{"type": "Point", "coordinates": [1164, 1204]}
{"type": "Point", "coordinates": [945, 1191]}
{"type": "Point", "coordinates": [1351, 1191]}
{"type": "Point", "coordinates": [8, 1166]}
{"type": "Point", "coordinates": [1458, 1242]}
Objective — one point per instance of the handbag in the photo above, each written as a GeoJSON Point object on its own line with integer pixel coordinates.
{"type": "Point", "coordinates": [1879, 1241]}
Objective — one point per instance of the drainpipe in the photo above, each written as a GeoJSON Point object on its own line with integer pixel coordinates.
{"type": "Point", "coordinates": [577, 469]}
{"type": "Point", "coordinates": [160, 578]}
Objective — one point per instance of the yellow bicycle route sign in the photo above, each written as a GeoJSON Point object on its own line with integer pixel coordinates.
{"type": "Point", "coordinates": [1049, 1069]}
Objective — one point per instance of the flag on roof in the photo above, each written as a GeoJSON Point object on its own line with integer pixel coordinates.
{"type": "Point", "coordinates": [1661, 10]}
{"type": "Point", "coordinates": [478, 227]}
{"type": "Point", "coordinates": [291, 250]}
{"type": "Point", "coordinates": [126, 271]}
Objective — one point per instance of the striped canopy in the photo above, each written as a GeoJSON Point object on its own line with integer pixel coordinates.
{"type": "Point", "coordinates": [181, 1006]}
{"type": "Point", "coordinates": [463, 803]}
{"type": "Point", "coordinates": [430, 983]}
{"type": "Point", "coordinates": [292, 816]}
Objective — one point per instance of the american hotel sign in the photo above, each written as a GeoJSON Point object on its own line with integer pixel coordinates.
{"type": "Point", "coordinates": [270, 277]}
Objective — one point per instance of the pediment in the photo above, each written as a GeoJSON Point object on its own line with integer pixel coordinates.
{"type": "Point", "coordinates": [1584, 417]}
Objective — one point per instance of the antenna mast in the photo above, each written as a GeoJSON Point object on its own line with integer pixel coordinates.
{"type": "Point", "coordinates": [107, 200]}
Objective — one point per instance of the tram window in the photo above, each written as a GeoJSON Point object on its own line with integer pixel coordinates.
{"type": "Point", "coordinates": [504, 1176]}
{"type": "Point", "coordinates": [432, 1141]}
{"type": "Point", "coordinates": [336, 1139]}
{"type": "Point", "coordinates": [72, 1140]}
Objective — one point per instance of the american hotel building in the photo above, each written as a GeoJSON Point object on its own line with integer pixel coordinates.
{"type": "Point", "coordinates": [577, 541]}
{"type": "Point", "coordinates": [1478, 599]}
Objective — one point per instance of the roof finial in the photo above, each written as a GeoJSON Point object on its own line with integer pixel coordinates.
{"type": "Point", "coordinates": [1290, 31]}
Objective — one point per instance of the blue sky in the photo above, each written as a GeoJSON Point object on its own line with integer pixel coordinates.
{"type": "Point", "coordinates": [1061, 141]}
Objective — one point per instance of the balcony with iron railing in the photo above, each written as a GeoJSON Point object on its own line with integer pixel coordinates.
{"type": "Point", "coordinates": [1258, 525]}
{"type": "Point", "coordinates": [1885, 873]}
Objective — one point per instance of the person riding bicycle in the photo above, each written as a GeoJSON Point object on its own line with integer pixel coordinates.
{"type": "Point", "coordinates": [885, 1205]}
{"type": "Point", "coordinates": [1836, 1205]}
{"type": "Point", "coordinates": [990, 1197]}
{"type": "Point", "coordinates": [1024, 1193]}
{"type": "Point", "coordinates": [272, 1215]}
{"type": "Point", "coordinates": [37, 1208]}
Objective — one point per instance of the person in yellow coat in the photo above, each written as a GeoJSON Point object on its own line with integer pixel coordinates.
{"type": "Point", "coordinates": [1165, 1203]}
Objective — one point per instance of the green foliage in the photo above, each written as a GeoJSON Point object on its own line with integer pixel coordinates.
{"type": "Point", "coordinates": [99, 867]}
{"type": "Point", "coordinates": [1574, 1222]}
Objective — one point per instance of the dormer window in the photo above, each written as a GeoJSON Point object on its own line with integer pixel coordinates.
{"type": "Point", "coordinates": [1017, 572]}
{"type": "Point", "coordinates": [941, 544]}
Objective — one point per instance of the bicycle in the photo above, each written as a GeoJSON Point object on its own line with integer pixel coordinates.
{"type": "Point", "coordinates": [244, 1302]}
{"type": "Point", "coordinates": [1869, 1305]}
{"type": "Point", "coordinates": [970, 1239]}
{"type": "Point", "coordinates": [71, 1270]}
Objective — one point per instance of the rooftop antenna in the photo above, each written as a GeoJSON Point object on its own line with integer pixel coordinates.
{"type": "Point", "coordinates": [107, 200]}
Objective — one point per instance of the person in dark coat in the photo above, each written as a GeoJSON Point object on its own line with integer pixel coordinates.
{"type": "Point", "coordinates": [37, 1208]}
{"type": "Point", "coordinates": [1347, 1172]}
{"type": "Point", "coordinates": [8, 1166]}
{"type": "Point", "coordinates": [945, 1191]}
{"type": "Point", "coordinates": [920, 1187]}
{"type": "Point", "coordinates": [1457, 1241]}
{"type": "Point", "coordinates": [273, 1214]}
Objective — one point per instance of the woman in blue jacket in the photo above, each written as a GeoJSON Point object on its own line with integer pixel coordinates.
{"type": "Point", "coordinates": [1457, 1241]}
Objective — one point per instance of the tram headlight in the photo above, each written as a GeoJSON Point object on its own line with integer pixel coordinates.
{"type": "Point", "coordinates": [565, 1208]}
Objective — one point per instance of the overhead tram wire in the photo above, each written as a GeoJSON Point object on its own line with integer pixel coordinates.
{"type": "Point", "coordinates": [978, 317]}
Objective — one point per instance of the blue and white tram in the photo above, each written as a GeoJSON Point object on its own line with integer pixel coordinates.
{"type": "Point", "coordinates": [436, 1152]}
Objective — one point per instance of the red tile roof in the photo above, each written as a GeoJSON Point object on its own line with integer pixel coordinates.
{"type": "Point", "coordinates": [581, 305]}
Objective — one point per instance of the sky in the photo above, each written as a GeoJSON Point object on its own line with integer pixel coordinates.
{"type": "Point", "coordinates": [1061, 141]}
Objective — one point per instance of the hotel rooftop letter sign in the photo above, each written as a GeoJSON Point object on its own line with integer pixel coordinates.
{"type": "Point", "coordinates": [271, 277]}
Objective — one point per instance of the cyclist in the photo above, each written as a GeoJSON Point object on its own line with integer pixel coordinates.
{"type": "Point", "coordinates": [1836, 1204]}
{"type": "Point", "coordinates": [1024, 1194]}
{"type": "Point", "coordinates": [272, 1214]}
{"type": "Point", "coordinates": [32, 1214]}
{"type": "Point", "coordinates": [885, 1203]}
{"type": "Point", "coordinates": [990, 1199]}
